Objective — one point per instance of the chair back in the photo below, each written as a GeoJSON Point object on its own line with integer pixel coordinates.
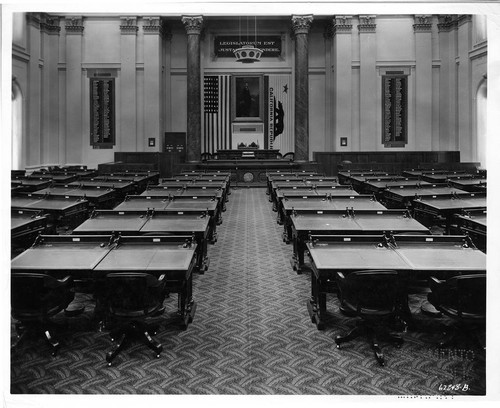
{"type": "Point", "coordinates": [471, 295]}
{"type": "Point", "coordinates": [133, 294]}
{"type": "Point", "coordinates": [36, 295]}
{"type": "Point", "coordinates": [372, 292]}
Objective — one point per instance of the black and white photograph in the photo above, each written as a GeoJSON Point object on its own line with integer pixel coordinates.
{"type": "Point", "coordinates": [250, 202]}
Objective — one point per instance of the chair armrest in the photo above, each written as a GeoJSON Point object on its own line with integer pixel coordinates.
{"type": "Point", "coordinates": [435, 284]}
{"type": "Point", "coordinates": [59, 283]}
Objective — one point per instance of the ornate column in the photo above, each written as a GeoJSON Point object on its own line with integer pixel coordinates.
{"type": "Point", "coordinates": [76, 141]}
{"type": "Point", "coordinates": [342, 83]}
{"type": "Point", "coordinates": [465, 97]}
{"type": "Point", "coordinates": [193, 25]}
{"type": "Point", "coordinates": [127, 141]}
{"type": "Point", "coordinates": [300, 26]}
{"type": "Point", "coordinates": [423, 81]}
{"type": "Point", "coordinates": [50, 29]}
{"type": "Point", "coordinates": [153, 89]}
{"type": "Point", "coordinates": [369, 134]}
{"type": "Point", "coordinates": [34, 92]}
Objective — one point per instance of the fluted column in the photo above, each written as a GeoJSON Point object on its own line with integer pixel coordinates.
{"type": "Point", "coordinates": [193, 25]}
{"type": "Point", "coordinates": [127, 141]}
{"type": "Point", "coordinates": [76, 141]}
{"type": "Point", "coordinates": [423, 81]}
{"type": "Point", "coordinates": [368, 82]}
{"type": "Point", "coordinates": [300, 26]}
{"type": "Point", "coordinates": [342, 62]}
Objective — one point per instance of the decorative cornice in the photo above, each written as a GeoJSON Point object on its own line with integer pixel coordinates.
{"type": "Point", "coordinates": [153, 25]}
{"type": "Point", "coordinates": [128, 25]}
{"type": "Point", "coordinates": [50, 24]}
{"type": "Point", "coordinates": [367, 24]}
{"type": "Point", "coordinates": [74, 25]}
{"type": "Point", "coordinates": [464, 18]}
{"type": "Point", "coordinates": [423, 23]}
{"type": "Point", "coordinates": [193, 24]}
{"type": "Point", "coordinates": [447, 22]}
{"type": "Point", "coordinates": [301, 24]}
{"type": "Point", "coordinates": [33, 19]}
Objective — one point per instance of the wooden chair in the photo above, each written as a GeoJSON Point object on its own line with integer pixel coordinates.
{"type": "Point", "coordinates": [463, 299]}
{"type": "Point", "coordinates": [130, 298]}
{"type": "Point", "coordinates": [373, 296]}
{"type": "Point", "coordinates": [35, 299]}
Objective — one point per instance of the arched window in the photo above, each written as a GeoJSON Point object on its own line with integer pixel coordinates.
{"type": "Point", "coordinates": [481, 123]}
{"type": "Point", "coordinates": [17, 127]}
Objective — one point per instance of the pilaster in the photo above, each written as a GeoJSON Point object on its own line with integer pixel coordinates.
{"type": "Point", "coordinates": [368, 123]}
{"type": "Point", "coordinates": [153, 101]}
{"type": "Point", "coordinates": [342, 74]}
{"type": "Point", "coordinates": [128, 92]}
{"type": "Point", "coordinates": [423, 81]}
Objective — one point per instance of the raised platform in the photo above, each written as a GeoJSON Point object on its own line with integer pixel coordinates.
{"type": "Point", "coordinates": [250, 172]}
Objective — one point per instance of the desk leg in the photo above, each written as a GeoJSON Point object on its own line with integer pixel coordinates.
{"type": "Point", "coordinates": [314, 305]}
{"type": "Point", "coordinates": [212, 236]}
{"type": "Point", "coordinates": [298, 253]}
{"type": "Point", "coordinates": [186, 304]}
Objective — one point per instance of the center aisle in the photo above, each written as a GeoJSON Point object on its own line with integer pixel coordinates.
{"type": "Point", "coordinates": [252, 306]}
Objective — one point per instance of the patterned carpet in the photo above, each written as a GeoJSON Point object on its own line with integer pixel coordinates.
{"type": "Point", "coordinates": [251, 335]}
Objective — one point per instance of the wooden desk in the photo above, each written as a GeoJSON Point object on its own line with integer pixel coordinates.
{"type": "Point", "coordinates": [447, 205]}
{"type": "Point", "coordinates": [92, 257]}
{"type": "Point", "coordinates": [414, 256]}
{"type": "Point", "coordinates": [473, 223]}
{"type": "Point", "coordinates": [402, 196]}
{"type": "Point", "coordinates": [59, 211]}
{"type": "Point", "coordinates": [334, 222]}
{"type": "Point", "coordinates": [25, 226]}
{"type": "Point", "coordinates": [97, 197]}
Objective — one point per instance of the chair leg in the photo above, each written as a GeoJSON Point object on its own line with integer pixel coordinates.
{"type": "Point", "coordinates": [152, 344]}
{"type": "Point", "coordinates": [52, 341]}
{"type": "Point", "coordinates": [354, 333]}
{"type": "Point", "coordinates": [37, 330]}
{"type": "Point", "coordinates": [379, 355]}
{"type": "Point", "coordinates": [116, 349]}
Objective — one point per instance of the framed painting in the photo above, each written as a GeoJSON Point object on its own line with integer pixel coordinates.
{"type": "Point", "coordinates": [247, 97]}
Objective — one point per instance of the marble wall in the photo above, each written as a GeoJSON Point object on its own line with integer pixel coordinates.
{"type": "Point", "coordinates": [347, 55]}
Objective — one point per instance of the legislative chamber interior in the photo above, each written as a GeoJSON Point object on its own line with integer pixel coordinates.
{"type": "Point", "coordinates": [249, 204]}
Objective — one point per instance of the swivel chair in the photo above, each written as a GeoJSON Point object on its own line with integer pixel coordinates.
{"type": "Point", "coordinates": [35, 299]}
{"type": "Point", "coordinates": [463, 299]}
{"type": "Point", "coordinates": [374, 297]}
{"type": "Point", "coordinates": [130, 298]}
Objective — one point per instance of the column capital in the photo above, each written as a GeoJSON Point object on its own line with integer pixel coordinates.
{"type": "Point", "coordinates": [341, 25]}
{"type": "Point", "coordinates": [153, 25]}
{"type": "Point", "coordinates": [33, 19]}
{"type": "Point", "coordinates": [50, 24]}
{"type": "Point", "coordinates": [301, 23]}
{"type": "Point", "coordinates": [74, 25]}
{"type": "Point", "coordinates": [464, 18]}
{"type": "Point", "coordinates": [422, 23]}
{"type": "Point", "coordinates": [447, 22]}
{"type": "Point", "coordinates": [193, 24]}
{"type": "Point", "coordinates": [128, 25]}
{"type": "Point", "coordinates": [367, 24]}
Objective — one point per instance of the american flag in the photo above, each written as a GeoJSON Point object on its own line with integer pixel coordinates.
{"type": "Point", "coordinates": [217, 113]}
